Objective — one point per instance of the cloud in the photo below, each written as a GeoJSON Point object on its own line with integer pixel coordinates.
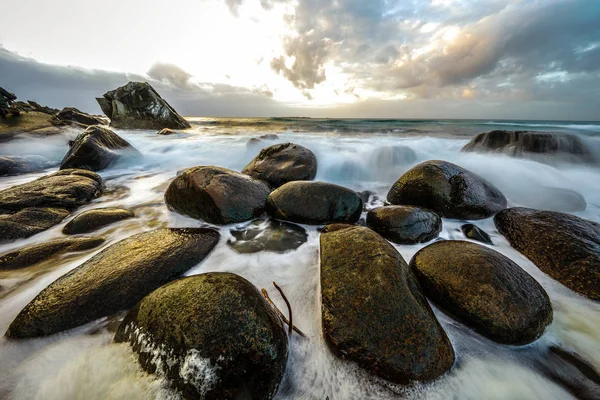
{"type": "Point", "coordinates": [170, 74]}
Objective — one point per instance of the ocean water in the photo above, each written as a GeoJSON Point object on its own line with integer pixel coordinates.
{"type": "Point", "coordinates": [84, 363]}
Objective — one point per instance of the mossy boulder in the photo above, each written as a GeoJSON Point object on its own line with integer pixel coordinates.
{"type": "Point", "coordinates": [405, 224]}
{"type": "Point", "coordinates": [447, 189]}
{"type": "Point", "coordinates": [89, 221]}
{"type": "Point", "coordinates": [113, 280]}
{"type": "Point", "coordinates": [373, 311]}
{"type": "Point", "coordinates": [267, 235]}
{"type": "Point", "coordinates": [216, 195]}
{"type": "Point", "coordinates": [29, 221]}
{"type": "Point", "coordinates": [30, 255]}
{"type": "Point", "coordinates": [564, 246]}
{"type": "Point", "coordinates": [212, 335]}
{"type": "Point", "coordinates": [315, 203]}
{"type": "Point", "coordinates": [283, 163]}
{"type": "Point", "coordinates": [97, 148]}
{"type": "Point", "coordinates": [484, 289]}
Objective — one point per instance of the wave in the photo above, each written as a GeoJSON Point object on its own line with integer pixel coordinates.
{"type": "Point", "coordinates": [588, 127]}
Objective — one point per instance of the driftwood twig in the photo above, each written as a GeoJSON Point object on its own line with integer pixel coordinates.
{"type": "Point", "coordinates": [281, 315]}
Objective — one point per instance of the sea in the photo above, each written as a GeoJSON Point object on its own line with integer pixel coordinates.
{"type": "Point", "coordinates": [84, 363]}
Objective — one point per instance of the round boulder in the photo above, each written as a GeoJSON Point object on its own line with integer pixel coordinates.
{"type": "Point", "coordinates": [314, 203]}
{"type": "Point", "coordinates": [373, 310]}
{"type": "Point", "coordinates": [282, 163]}
{"type": "Point", "coordinates": [216, 195]}
{"type": "Point", "coordinates": [447, 189]}
{"type": "Point", "coordinates": [89, 221]}
{"type": "Point", "coordinates": [483, 289]}
{"type": "Point", "coordinates": [212, 335]}
{"type": "Point", "coordinates": [405, 224]}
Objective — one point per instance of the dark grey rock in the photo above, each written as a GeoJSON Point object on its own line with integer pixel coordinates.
{"type": "Point", "coordinates": [267, 235]}
{"type": "Point", "coordinates": [473, 232]}
{"type": "Point", "coordinates": [405, 224]}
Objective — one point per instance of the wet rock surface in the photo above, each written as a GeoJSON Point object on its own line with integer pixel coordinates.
{"type": "Point", "coordinates": [73, 116]}
{"type": "Point", "coordinates": [473, 232]}
{"type": "Point", "coordinates": [373, 311]}
{"type": "Point", "coordinates": [30, 255]}
{"type": "Point", "coordinates": [89, 221]}
{"type": "Point", "coordinates": [405, 224]}
{"type": "Point", "coordinates": [315, 203]}
{"type": "Point", "coordinates": [219, 337]}
{"type": "Point", "coordinates": [267, 235]}
{"type": "Point", "coordinates": [484, 289]}
{"type": "Point", "coordinates": [138, 106]}
{"type": "Point", "coordinates": [113, 280]}
{"type": "Point", "coordinates": [447, 189]}
{"type": "Point", "coordinates": [564, 246]}
{"type": "Point", "coordinates": [29, 221]}
{"type": "Point", "coordinates": [216, 195]}
{"type": "Point", "coordinates": [23, 165]}
{"type": "Point", "coordinates": [282, 163]}
{"type": "Point", "coordinates": [97, 148]}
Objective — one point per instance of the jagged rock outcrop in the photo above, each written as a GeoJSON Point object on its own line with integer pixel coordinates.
{"type": "Point", "coordinates": [73, 116]}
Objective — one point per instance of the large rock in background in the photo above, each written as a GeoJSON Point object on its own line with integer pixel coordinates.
{"type": "Point", "coordinates": [373, 310]}
{"type": "Point", "coordinates": [484, 289]}
{"type": "Point", "coordinates": [113, 280]}
{"type": "Point", "coordinates": [316, 203]}
{"type": "Point", "coordinates": [540, 146]}
{"type": "Point", "coordinates": [212, 335]}
{"type": "Point", "coordinates": [405, 224]}
{"type": "Point", "coordinates": [73, 116]}
{"type": "Point", "coordinates": [97, 148]}
{"type": "Point", "coordinates": [138, 106]}
{"type": "Point", "coordinates": [216, 195]}
{"type": "Point", "coordinates": [563, 246]}
{"type": "Point", "coordinates": [283, 163]}
{"type": "Point", "coordinates": [447, 189]}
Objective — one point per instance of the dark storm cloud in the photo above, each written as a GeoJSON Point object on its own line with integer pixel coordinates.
{"type": "Point", "coordinates": [60, 86]}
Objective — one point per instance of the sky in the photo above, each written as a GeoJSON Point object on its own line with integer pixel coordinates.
{"type": "Point", "coordinates": [511, 59]}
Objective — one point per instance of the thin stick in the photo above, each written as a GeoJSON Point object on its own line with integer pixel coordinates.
{"type": "Point", "coordinates": [287, 303]}
{"type": "Point", "coordinates": [298, 331]}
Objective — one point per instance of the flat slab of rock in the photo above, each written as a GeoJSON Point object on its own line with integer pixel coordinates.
{"type": "Point", "coordinates": [73, 116]}
{"type": "Point", "coordinates": [283, 163]}
{"type": "Point", "coordinates": [31, 124]}
{"type": "Point", "coordinates": [30, 255]}
{"type": "Point", "coordinates": [447, 189]}
{"type": "Point", "coordinates": [212, 335]}
{"type": "Point", "coordinates": [267, 235]}
{"type": "Point", "coordinates": [315, 203]}
{"type": "Point", "coordinates": [216, 195]}
{"type": "Point", "coordinates": [483, 289]}
{"type": "Point", "coordinates": [138, 106]}
{"type": "Point", "coordinates": [564, 246]}
{"type": "Point", "coordinates": [374, 312]}
{"type": "Point", "coordinates": [113, 280]}
{"type": "Point", "coordinates": [97, 148]}
{"type": "Point", "coordinates": [89, 221]}
{"type": "Point", "coordinates": [405, 224]}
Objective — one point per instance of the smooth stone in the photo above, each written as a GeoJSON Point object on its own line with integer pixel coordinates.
{"type": "Point", "coordinates": [473, 232]}
{"type": "Point", "coordinates": [315, 203]}
{"type": "Point", "coordinates": [564, 246]}
{"type": "Point", "coordinates": [373, 311]}
{"type": "Point", "coordinates": [405, 224]}
{"type": "Point", "coordinates": [216, 195]}
{"type": "Point", "coordinates": [30, 255]}
{"type": "Point", "coordinates": [267, 235]}
{"type": "Point", "coordinates": [282, 163]}
{"type": "Point", "coordinates": [29, 221]}
{"type": "Point", "coordinates": [212, 335]}
{"type": "Point", "coordinates": [450, 190]}
{"type": "Point", "coordinates": [113, 280]}
{"type": "Point", "coordinates": [484, 289]}
{"type": "Point", "coordinates": [89, 221]}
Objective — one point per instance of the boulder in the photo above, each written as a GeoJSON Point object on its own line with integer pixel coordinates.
{"type": "Point", "coordinates": [72, 116]}
{"type": "Point", "coordinates": [30, 255]}
{"type": "Point", "coordinates": [541, 146]}
{"type": "Point", "coordinates": [373, 311]}
{"type": "Point", "coordinates": [405, 224]}
{"type": "Point", "coordinates": [315, 203]}
{"type": "Point", "coordinates": [267, 235]}
{"type": "Point", "coordinates": [97, 148]}
{"type": "Point", "coordinates": [138, 106]}
{"type": "Point", "coordinates": [23, 165]}
{"type": "Point", "coordinates": [483, 289]}
{"type": "Point", "coordinates": [166, 132]}
{"type": "Point", "coordinates": [213, 336]}
{"type": "Point", "coordinates": [449, 190]}
{"type": "Point", "coordinates": [282, 163]}
{"type": "Point", "coordinates": [89, 221]}
{"type": "Point", "coordinates": [216, 195]}
{"type": "Point", "coordinates": [29, 221]}
{"type": "Point", "coordinates": [113, 280]}
{"type": "Point", "coordinates": [564, 246]}
{"type": "Point", "coordinates": [473, 232]}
